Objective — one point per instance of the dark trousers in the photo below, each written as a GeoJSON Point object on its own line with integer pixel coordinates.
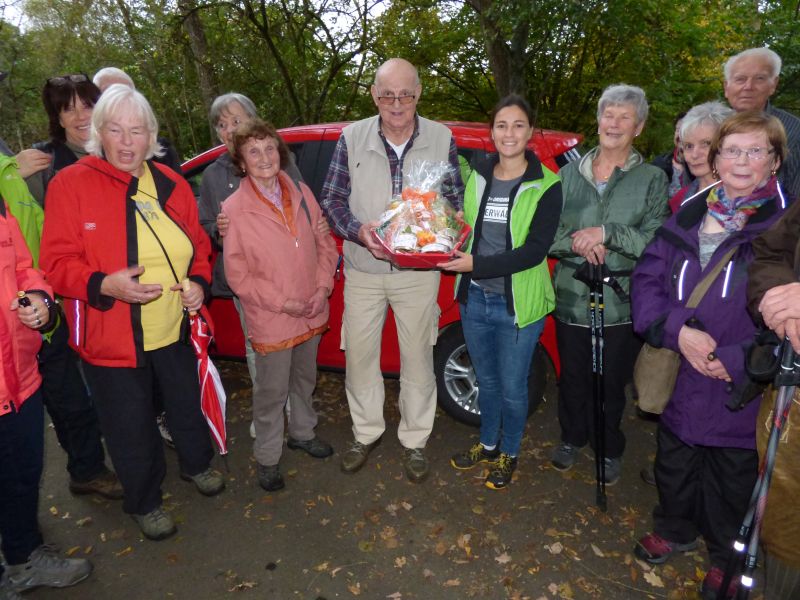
{"type": "Point", "coordinates": [576, 383]}
{"type": "Point", "coordinates": [21, 456]}
{"type": "Point", "coordinates": [124, 400]}
{"type": "Point", "coordinates": [702, 490]}
{"type": "Point", "coordinates": [70, 407]}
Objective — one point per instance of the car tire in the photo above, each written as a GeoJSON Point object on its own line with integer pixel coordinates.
{"type": "Point", "coordinates": [457, 386]}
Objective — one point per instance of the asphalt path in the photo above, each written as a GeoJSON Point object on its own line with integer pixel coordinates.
{"type": "Point", "coordinates": [373, 534]}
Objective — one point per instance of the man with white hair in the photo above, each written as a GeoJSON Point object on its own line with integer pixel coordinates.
{"type": "Point", "coordinates": [751, 78]}
{"type": "Point", "coordinates": [108, 76]}
{"type": "Point", "coordinates": [365, 172]}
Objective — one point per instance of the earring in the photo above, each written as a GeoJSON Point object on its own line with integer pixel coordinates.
{"type": "Point", "coordinates": [774, 172]}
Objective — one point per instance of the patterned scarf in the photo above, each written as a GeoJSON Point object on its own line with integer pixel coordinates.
{"type": "Point", "coordinates": [732, 213]}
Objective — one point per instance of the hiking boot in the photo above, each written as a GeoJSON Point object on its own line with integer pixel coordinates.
{"type": "Point", "coordinates": [500, 476]}
{"type": "Point", "coordinates": [106, 485]}
{"type": "Point", "coordinates": [46, 567]}
{"type": "Point", "coordinates": [269, 478]}
{"type": "Point", "coordinates": [613, 470]}
{"type": "Point", "coordinates": [155, 525]}
{"type": "Point", "coordinates": [564, 456]}
{"type": "Point", "coordinates": [314, 447]}
{"type": "Point", "coordinates": [208, 483]}
{"type": "Point", "coordinates": [474, 456]}
{"type": "Point", "coordinates": [656, 550]}
{"type": "Point", "coordinates": [163, 430]}
{"type": "Point", "coordinates": [713, 581]}
{"type": "Point", "coordinates": [415, 464]}
{"type": "Point", "coordinates": [356, 455]}
{"type": "Point", "coordinates": [7, 591]}
{"type": "Point", "coordinates": [647, 475]}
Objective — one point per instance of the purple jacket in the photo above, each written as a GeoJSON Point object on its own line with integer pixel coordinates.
{"type": "Point", "coordinates": [662, 282]}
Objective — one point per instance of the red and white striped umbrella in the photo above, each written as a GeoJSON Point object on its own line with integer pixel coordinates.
{"type": "Point", "coordinates": [212, 394]}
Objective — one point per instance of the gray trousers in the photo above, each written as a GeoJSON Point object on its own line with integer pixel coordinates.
{"type": "Point", "coordinates": [293, 373]}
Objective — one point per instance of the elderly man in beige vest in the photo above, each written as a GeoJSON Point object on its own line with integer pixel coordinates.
{"type": "Point", "coordinates": [366, 170]}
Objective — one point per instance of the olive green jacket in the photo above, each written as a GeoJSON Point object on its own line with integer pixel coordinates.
{"type": "Point", "coordinates": [631, 208]}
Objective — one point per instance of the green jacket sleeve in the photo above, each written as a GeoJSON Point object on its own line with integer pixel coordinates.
{"type": "Point", "coordinates": [26, 210]}
{"type": "Point", "coordinates": [630, 239]}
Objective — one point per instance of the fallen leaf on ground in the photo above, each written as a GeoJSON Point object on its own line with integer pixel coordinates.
{"type": "Point", "coordinates": [653, 579]}
{"type": "Point", "coordinates": [124, 552]}
{"type": "Point", "coordinates": [597, 551]}
{"type": "Point", "coordinates": [452, 583]}
{"type": "Point", "coordinates": [84, 521]}
{"type": "Point", "coordinates": [503, 558]}
{"type": "Point", "coordinates": [72, 550]}
{"type": "Point", "coordinates": [400, 562]}
{"type": "Point", "coordinates": [395, 596]}
{"type": "Point", "coordinates": [355, 589]}
{"type": "Point", "coordinates": [555, 548]}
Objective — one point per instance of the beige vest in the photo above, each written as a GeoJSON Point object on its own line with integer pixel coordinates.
{"type": "Point", "coordinates": [371, 180]}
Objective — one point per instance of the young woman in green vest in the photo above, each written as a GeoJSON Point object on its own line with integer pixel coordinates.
{"type": "Point", "coordinates": [513, 204]}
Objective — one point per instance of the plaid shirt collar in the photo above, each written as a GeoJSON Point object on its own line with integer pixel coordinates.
{"type": "Point", "coordinates": [396, 162]}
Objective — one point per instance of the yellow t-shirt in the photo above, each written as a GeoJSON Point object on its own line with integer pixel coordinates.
{"type": "Point", "coordinates": [161, 318]}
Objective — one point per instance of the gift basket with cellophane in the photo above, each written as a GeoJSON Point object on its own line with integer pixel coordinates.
{"type": "Point", "coordinates": [420, 228]}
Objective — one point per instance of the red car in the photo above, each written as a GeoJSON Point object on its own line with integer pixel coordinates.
{"type": "Point", "coordinates": [313, 146]}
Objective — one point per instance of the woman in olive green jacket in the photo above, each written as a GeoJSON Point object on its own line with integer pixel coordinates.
{"type": "Point", "coordinates": [613, 204]}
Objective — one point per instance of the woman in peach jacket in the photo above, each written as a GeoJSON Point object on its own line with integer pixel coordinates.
{"type": "Point", "coordinates": [281, 268]}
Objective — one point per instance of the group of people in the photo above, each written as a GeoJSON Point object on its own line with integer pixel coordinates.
{"type": "Point", "coordinates": [126, 251]}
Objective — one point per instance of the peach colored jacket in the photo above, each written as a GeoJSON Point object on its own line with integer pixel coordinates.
{"type": "Point", "coordinates": [266, 264]}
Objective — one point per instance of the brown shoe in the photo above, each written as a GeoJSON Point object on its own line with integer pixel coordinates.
{"type": "Point", "coordinates": [106, 485]}
{"type": "Point", "coordinates": [356, 455]}
{"type": "Point", "coordinates": [415, 464]}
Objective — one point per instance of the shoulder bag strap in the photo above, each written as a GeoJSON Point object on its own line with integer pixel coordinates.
{"type": "Point", "coordinates": [701, 288]}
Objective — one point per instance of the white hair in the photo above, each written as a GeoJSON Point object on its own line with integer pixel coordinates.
{"type": "Point", "coordinates": [708, 113]}
{"type": "Point", "coordinates": [617, 95]}
{"type": "Point", "coordinates": [768, 56]}
{"type": "Point", "coordinates": [113, 73]}
{"type": "Point", "coordinates": [115, 101]}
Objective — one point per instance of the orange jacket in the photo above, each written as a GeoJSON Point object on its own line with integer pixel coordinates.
{"type": "Point", "coordinates": [19, 372]}
{"type": "Point", "coordinates": [90, 232]}
{"type": "Point", "coordinates": [266, 264]}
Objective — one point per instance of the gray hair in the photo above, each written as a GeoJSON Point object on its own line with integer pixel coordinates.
{"type": "Point", "coordinates": [616, 95]}
{"type": "Point", "coordinates": [768, 56]}
{"type": "Point", "coordinates": [221, 104]}
{"type": "Point", "coordinates": [112, 73]}
{"type": "Point", "coordinates": [708, 113]}
{"type": "Point", "coordinates": [114, 101]}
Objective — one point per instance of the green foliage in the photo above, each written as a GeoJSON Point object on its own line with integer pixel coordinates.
{"type": "Point", "coordinates": [305, 61]}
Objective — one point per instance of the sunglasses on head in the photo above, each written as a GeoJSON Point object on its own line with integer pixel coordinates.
{"type": "Point", "coordinates": [65, 79]}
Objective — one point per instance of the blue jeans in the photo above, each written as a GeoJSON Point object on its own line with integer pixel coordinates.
{"type": "Point", "coordinates": [501, 355]}
{"type": "Point", "coordinates": [21, 461]}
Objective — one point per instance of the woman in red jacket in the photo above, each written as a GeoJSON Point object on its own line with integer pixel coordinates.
{"type": "Point", "coordinates": [28, 562]}
{"type": "Point", "coordinates": [121, 233]}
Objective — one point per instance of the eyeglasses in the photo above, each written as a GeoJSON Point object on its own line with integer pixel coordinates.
{"type": "Point", "coordinates": [752, 153]}
{"type": "Point", "coordinates": [65, 79]}
{"type": "Point", "coordinates": [389, 99]}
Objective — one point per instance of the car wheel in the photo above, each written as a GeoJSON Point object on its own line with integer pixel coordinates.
{"type": "Point", "coordinates": [457, 386]}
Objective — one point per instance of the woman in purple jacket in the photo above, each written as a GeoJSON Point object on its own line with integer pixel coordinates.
{"type": "Point", "coordinates": [706, 463]}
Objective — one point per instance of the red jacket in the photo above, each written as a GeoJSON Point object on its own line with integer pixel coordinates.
{"type": "Point", "coordinates": [19, 372]}
{"type": "Point", "coordinates": [90, 232]}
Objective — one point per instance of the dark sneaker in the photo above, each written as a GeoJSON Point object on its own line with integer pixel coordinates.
{"type": "Point", "coordinates": [415, 464]}
{"type": "Point", "coordinates": [208, 483]}
{"type": "Point", "coordinates": [163, 430]}
{"type": "Point", "coordinates": [270, 478]}
{"type": "Point", "coordinates": [564, 456]}
{"type": "Point", "coordinates": [656, 550]}
{"type": "Point", "coordinates": [647, 475]}
{"type": "Point", "coordinates": [356, 455]}
{"type": "Point", "coordinates": [46, 567]}
{"type": "Point", "coordinates": [500, 476]}
{"type": "Point", "coordinates": [106, 485]}
{"type": "Point", "coordinates": [7, 591]}
{"type": "Point", "coordinates": [155, 525]}
{"type": "Point", "coordinates": [475, 455]}
{"type": "Point", "coordinates": [613, 470]}
{"type": "Point", "coordinates": [315, 447]}
{"type": "Point", "coordinates": [713, 582]}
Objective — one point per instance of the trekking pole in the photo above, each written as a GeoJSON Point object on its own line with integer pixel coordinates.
{"type": "Point", "coordinates": [597, 318]}
{"type": "Point", "coordinates": [746, 544]}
